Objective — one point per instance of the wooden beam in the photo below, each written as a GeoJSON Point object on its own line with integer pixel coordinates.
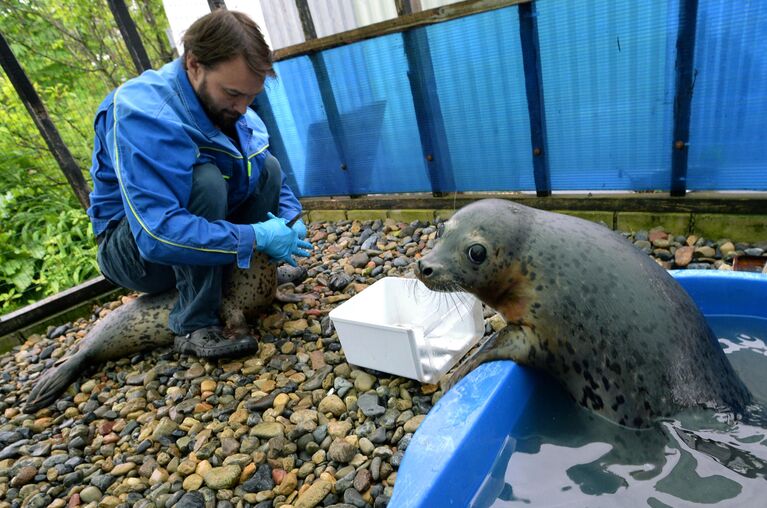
{"type": "Point", "coordinates": [54, 304]}
{"type": "Point", "coordinates": [130, 35]}
{"type": "Point", "coordinates": [39, 114]}
{"type": "Point", "coordinates": [395, 25]}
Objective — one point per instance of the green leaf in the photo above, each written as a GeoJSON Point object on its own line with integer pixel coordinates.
{"type": "Point", "coordinates": [23, 278]}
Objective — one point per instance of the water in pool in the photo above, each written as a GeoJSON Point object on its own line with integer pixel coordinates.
{"type": "Point", "coordinates": [564, 456]}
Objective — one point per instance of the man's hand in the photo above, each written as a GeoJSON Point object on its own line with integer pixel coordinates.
{"type": "Point", "coordinates": [279, 241]}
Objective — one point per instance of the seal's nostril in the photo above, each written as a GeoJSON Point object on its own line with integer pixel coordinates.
{"type": "Point", "coordinates": [426, 271]}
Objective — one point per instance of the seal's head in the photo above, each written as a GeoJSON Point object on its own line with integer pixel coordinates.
{"type": "Point", "coordinates": [477, 252]}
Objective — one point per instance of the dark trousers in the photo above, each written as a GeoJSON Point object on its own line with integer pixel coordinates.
{"type": "Point", "coordinates": [199, 287]}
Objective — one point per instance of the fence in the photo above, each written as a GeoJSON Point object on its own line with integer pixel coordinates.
{"type": "Point", "coordinates": [555, 95]}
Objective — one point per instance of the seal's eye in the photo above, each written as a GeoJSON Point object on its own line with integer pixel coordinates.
{"type": "Point", "coordinates": [476, 253]}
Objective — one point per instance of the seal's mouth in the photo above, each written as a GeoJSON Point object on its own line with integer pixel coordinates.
{"type": "Point", "coordinates": [431, 276]}
{"type": "Point", "coordinates": [443, 287]}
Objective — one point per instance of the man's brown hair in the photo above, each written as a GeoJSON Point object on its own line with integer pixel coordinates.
{"type": "Point", "coordinates": [223, 35]}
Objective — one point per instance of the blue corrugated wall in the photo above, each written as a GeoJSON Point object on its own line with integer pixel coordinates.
{"type": "Point", "coordinates": [445, 108]}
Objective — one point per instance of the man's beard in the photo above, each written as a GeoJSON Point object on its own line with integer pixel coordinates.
{"type": "Point", "coordinates": [222, 118]}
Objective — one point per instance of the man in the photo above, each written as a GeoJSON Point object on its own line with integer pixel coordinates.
{"type": "Point", "coordinates": [184, 184]}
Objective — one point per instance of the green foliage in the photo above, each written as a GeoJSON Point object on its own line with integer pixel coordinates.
{"type": "Point", "coordinates": [46, 246]}
{"type": "Point", "coordinates": [74, 54]}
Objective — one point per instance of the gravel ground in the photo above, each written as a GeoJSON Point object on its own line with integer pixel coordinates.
{"type": "Point", "coordinates": [294, 425]}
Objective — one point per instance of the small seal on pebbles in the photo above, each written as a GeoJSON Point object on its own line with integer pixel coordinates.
{"type": "Point", "coordinates": [143, 323]}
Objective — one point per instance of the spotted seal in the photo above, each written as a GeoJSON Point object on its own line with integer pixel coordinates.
{"type": "Point", "coordinates": [143, 324]}
{"type": "Point", "coordinates": [584, 305]}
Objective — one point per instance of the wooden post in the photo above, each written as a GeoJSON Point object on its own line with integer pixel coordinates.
{"type": "Point", "coordinates": [685, 82]}
{"type": "Point", "coordinates": [47, 129]}
{"type": "Point", "coordinates": [130, 35]}
{"type": "Point", "coordinates": [216, 4]}
{"type": "Point", "coordinates": [328, 97]}
{"type": "Point", "coordinates": [531, 61]}
{"type": "Point", "coordinates": [405, 7]}
{"type": "Point", "coordinates": [428, 111]}
{"type": "Point", "coordinates": [307, 23]}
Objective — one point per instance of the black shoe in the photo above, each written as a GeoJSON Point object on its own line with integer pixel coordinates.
{"type": "Point", "coordinates": [293, 274]}
{"type": "Point", "coordinates": [210, 342]}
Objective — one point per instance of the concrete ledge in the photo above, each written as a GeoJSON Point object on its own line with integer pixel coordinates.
{"type": "Point", "coordinates": [367, 214]}
{"type": "Point", "coordinates": [411, 215]}
{"type": "Point", "coordinates": [677, 223]}
{"type": "Point", "coordinates": [606, 217]}
{"type": "Point", "coordinates": [326, 215]}
{"type": "Point", "coordinates": [748, 228]}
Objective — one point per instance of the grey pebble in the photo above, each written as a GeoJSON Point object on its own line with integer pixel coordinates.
{"type": "Point", "coordinates": [260, 481]}
{"type": "Point", "coordinates": [354, 498]}
{"type": "Point", "coordinates": [174, 499]}
{"type": "Point", "coordinates": [191, 500]}
{"type": "Point", "coordinates": [375, 468]}
{"type": "Point", "coordinates": [13, 450]}
{"type": "Point", "coordinates": [73, 479]}
{"type": "Point", "coordinates": [38, 500]}
{"type": "Point", "coordinates": [368, 404]}
{"type": "Point", "coordinates": [58, 331]}
{"type": "Point", "coordinates": [102, 481]}
{"type": "Point", "coordinates": [10, 437]}
{"type": "Point", "coordinates": [345, 482]}
{"type": "Point", "coordinates": [378, 436]}
{"type": "Point", "coordinates": [342, 386]}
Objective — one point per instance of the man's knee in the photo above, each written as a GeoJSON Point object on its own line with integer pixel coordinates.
{"type": "Point", "coordinates": [272, 173]}
{"type": "Point", "coordinates": [209, 193]}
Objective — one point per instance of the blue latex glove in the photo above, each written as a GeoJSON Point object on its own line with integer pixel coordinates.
{"type": "Point", "coordinates": [278, 241]}
{"type": "Point", "coordinates": [300, 228]}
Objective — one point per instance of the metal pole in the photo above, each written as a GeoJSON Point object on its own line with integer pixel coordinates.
{"type": "Point", "coordinates": [39, 114]}
{"type": "Point", "coordinates": [130, 35]}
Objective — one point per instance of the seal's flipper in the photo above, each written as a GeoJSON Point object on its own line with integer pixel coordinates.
{"type": "Point", "coordinates": [52, 382]}
{"type": "Point", "coordinates": [283, 296]}
{"type": "Point", "coordinates": [291, 274]}
{"type": "Point", "coordinates": [510, 343]}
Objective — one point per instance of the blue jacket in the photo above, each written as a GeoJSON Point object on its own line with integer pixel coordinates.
{"type": "Point", "coordinates": [150, 133]}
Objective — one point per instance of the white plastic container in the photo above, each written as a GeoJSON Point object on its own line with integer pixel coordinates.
{"type": "Point", "coordinates": [401, 327]}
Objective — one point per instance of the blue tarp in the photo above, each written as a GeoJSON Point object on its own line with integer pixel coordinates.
{"type": "Point", "coordinates": [608, 86]}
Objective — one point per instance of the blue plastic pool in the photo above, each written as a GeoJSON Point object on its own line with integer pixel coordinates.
{"type": "Point", "coordinates": [456, 446]}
